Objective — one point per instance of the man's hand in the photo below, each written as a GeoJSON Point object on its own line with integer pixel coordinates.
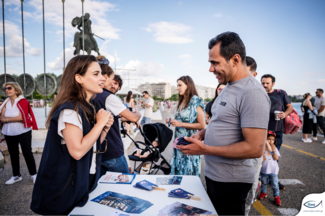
{"type": "Point", "coordinates": [282, 115]}
{"type": "Point", "coordinates": [196, 148]}
{"type": "Point", "coordinates": [199, 136]}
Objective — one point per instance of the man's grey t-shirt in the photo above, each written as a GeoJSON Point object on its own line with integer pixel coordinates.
{"type": "Point", "coordinates": [319, 102]}
{"type": "Point", "coordinates": [241, 104]}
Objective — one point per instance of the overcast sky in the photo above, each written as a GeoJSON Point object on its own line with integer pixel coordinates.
{"type": "Point", "coordinates": [164, 40]}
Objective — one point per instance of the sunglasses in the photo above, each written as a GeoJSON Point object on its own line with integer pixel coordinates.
{"type": "Point", "coordinates": [102, 151]}
{"type": "Point", "coordinates": [8, 88]}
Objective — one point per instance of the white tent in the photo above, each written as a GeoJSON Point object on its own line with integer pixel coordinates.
{"type": "Point", "coordinates": [125, 90]}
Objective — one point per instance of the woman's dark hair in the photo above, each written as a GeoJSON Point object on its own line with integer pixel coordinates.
{"type": "Point", "coordinates": [306, 95]}
{"type": "Point", "coordinates": [70, 89]}
{"type": "Point", "coordinates": [216, 95]}
{"type": "Point", "coordinates": [189, 93]}
{"type": "Point", "coordinates": [231, 44]}
{"type": "Point", "coordinates": [106, 69]}
{"type": "Point", "coordinates": [128, 97]}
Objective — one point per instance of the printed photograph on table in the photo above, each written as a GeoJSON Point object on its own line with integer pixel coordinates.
{"type": "Point", "coordinates": [122, 202]}
{"type": "Point", "coordinates": [174, 180]}
{"type": "Point", "coordinates": [117, 178]}
{"type": "Point", "coordinates": [178, 208]}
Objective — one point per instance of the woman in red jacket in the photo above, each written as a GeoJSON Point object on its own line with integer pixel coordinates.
{"type": "Point", "coordinates": [18, 122]}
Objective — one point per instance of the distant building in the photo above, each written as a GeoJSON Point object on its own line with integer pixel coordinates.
{"type": "Point", "coordinates": [174, 90]}
{"type": "Point", "coordinates": [145, 87]}
{"type": "Point", "coordinates": [205, 92]}
{"type": "Point", "coordinates": [161, 90]}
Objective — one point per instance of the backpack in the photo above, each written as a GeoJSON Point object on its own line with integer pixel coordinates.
{"type": "Point", "coordinates": [155, 107]}
{"type": "Point", "coordinates": [292, 123]}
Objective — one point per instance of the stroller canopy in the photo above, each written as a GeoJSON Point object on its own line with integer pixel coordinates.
{"type": "Point", "coordinates": [164, 134]}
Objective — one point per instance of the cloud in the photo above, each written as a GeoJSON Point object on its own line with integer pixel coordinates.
{"type": "Point", "coordinates": [98, 11]}
{"type": "Point", "coordinates": [170, 33]}
{"type": "Point", "coordinates": [218, 15]}
{"type": "Point", "coordinates": [321, 81]}
{"type": "Point", "coordinates": [142, 69]}
{"type": "Point", "coordinates": [58, 63]}
{"type": "Point", "coordinates": [185, 56]}
{"type": "Point", "coordinates": [14, 47]}
{"type": "Point", "coordinates": [35, 51]}
{"type": "Point", "coordinates": [180, 3]}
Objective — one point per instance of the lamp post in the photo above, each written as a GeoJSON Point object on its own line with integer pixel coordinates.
{"type": "Point", "coordinates": [23, 38]}
{"type": "Point", "coordinates": [44, 57]}
{"type": "Point", "coordinates": [63, 36]}
{"type": "Point", "coordinates": [83, 28]}
{"type": "Point", "coordinates": [4, 40]}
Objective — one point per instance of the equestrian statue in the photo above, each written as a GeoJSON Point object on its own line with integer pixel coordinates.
{"type": "Point", "coordinates": [89, 41]}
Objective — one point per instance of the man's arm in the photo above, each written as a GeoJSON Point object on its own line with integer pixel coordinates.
{"type": "Point", "coordinates": [130, 116]}
{"type": "Point", "coordinates": [321, 109]}
{"type": "Point", "coordinates": [252, 146]}
{"type": "Point", "coordinates": [147, 105]}
{"type": "Point", "coordinates": [289, 109]}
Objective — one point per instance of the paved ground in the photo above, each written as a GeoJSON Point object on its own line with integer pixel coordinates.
{"type": "Point", "coordinates": [304, 162]}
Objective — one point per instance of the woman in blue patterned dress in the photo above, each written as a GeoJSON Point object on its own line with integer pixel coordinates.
{"type": "Point", "coordinates": [188, 119]}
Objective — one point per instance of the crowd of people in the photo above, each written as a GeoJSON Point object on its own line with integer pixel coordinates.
{"type": "Point", "coordinates": [241, 142]}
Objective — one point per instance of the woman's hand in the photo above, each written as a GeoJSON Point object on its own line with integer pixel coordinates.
{"type": "Point", "coordinates": [103, 117]}
{"type": "Point", "coordinates": [175, 123]}
{"type": "Point", "coordinates": [3, 119]}
{"type": "Point", "coordinates": [109, 123]}
{"type": "Point", "coordinates": [167, 119]}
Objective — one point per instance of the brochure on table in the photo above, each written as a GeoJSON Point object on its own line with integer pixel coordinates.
{"type": "Point", "coordinates": [117, 178]}
{"type": "Point", "coordinates": [126, 199]}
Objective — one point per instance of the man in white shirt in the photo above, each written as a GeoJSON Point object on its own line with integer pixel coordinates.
{"type": "Point", "coordinates": [320, 106]}
{"type": "Point", "coordinates": [113, 159]}
{"type": "Point", "coordinates": [146, 119]}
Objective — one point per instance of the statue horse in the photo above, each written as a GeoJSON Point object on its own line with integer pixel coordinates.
{"type": "Point", "coordinates": [90, 44]}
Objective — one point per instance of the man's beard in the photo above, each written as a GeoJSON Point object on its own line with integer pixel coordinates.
{"type": "Point", "coordinates": [113, 90]}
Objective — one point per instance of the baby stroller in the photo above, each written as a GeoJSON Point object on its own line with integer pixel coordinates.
{"type": "Point", "coordinates": [150, 133]}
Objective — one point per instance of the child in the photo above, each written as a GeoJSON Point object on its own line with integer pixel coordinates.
{"type": "Point", "coordinates": [270, 168]}
{"type": "Point", "coordinates": [144, 154]}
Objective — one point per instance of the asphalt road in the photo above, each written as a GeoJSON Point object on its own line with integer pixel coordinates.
{"type": "Point", "coordinates": [304, 162]}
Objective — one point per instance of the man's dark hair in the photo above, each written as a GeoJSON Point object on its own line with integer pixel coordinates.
{"type": "Point", "coordinates": [231, 44]}
{"type": "Point", "coordinates": [268, 76]}
{"type": "Point", "coordinates": [321, 90]}
{"type": "Point", "coordinates": [118, 79]}
{"type": "Point", "coordinates": [145, 92]}
{"type": "Point", "coordinates": [251, 63]}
